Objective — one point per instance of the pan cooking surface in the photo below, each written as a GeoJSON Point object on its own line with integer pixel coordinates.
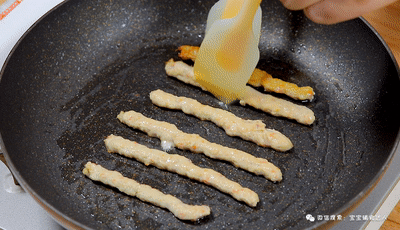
{"type": "Point", "coordinates": [88, 60]}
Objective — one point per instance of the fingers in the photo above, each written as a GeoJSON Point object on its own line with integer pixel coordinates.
{"type": "Point", "coordinates": [298, 4]}
{"type": "Point", "coordinates": [334, 11]}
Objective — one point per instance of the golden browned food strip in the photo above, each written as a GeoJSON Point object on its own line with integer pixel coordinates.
{"type": "Point", "coordinates": [145, 193]}
{"type": "Point", "coordinates": [261, 78]}
{"type": "Point", "coordinates": [270, 84]}
{"type": "Point", "coordinates": [188, 52]}
{"type": "Point", "coordinates": [169, 134]}
{"type": "Point", "coordinates": [267, 103]}
{"type": "Point", "coordinates": [251, 130]}
{"type": "Point", "coordinates": [180, 165]}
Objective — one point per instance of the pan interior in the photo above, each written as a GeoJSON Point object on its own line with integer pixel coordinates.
{"type": "Point", "coordinates": [88, 60]}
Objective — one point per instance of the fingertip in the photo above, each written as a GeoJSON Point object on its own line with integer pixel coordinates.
{"type": "Point", "coordinates": [314, 16]}
{"type": "Point", "coordinates": [297, 4]}
{"type": "Point", "coordinates": [288, 4]}
{"type": "Point", "coordinates": [321, 16]}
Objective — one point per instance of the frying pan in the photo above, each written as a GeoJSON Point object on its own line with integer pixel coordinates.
{"type": "Point", "coordinates": [86, 61]}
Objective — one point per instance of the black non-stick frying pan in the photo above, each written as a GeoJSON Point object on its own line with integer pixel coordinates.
{"type": "Point", "coordinates": [86, 61]}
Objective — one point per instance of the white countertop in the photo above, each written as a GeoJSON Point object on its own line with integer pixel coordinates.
{"type": "Point", "coordinates": [18, 209]}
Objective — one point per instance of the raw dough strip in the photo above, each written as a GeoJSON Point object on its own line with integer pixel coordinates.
{"type": "Point", "coordinates": [145, 193]}
{"type": "Point", "coordinates": [180, 165]}
{"type": "Point", "coordinates": [277, 107]}
{"type": "Point", "coordinates": [260, 78]}
{"type": "Point", "coordinates": [171, 135]}
{"type": "Point", "coordinates": [251, 130]}
{"type": "Point", "coordinates": [267, 103]}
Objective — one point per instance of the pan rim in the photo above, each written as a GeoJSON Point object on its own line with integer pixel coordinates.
{"type": "Point", "coordinates": [349, 205]}
{"type": "Point", "coordinates": [361, 196]}
{"type": "Point", "coordinates": [3, 67]}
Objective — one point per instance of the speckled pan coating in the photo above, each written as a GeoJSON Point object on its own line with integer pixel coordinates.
{"type": "Point", "coordinates": [88, 60]}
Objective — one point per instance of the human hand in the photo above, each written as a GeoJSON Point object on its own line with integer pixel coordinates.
{"type": "Point", "coordinates": [334, 11]}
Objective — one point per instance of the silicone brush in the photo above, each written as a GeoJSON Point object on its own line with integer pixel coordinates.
{"type": "Point", "coordinates": [229, 52]}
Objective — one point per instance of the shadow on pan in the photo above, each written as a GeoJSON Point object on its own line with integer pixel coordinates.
{"type": "Point", "coordinates": [86, 61]}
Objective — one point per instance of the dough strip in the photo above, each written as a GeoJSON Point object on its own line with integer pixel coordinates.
{"type": "Point", "coordinates": [169, 133]}
{"type": "Point", "coordinates": [145, 193]}
{"type": "Point", "coordinates": [267, 103]}
{"type": "Point", "coordinates": [251, 130]}
{"type": "Point", "coordinates": [260, 78]}
{"type": "Point", "coordinates": [180, 165]}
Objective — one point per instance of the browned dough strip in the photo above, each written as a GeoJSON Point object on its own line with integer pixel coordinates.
{"type": "Point", "coordinates": [267, 103]}
{"type": "Point", "coordinates": [251, 130]}
{"type": "Point", "coordinates": [260, 78]}
{"type": "Point", "coordinates": [180, 165]}
{"type": "Point", "coordinates": [145, 193]}
{"type": "Point", "coordinates": [169, 133]}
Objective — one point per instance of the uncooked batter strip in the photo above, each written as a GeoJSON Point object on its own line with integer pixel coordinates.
{"type": "Point", "coordinates": [180, 165]}
{"type": "Point", "coordinates": [267, 103]}
{"type": "Point", "coordinates": [170, 134]}
{"type": "Point", "coordinates": [251, 130]}
{"type": "Point", "coordinates": [145, 193]}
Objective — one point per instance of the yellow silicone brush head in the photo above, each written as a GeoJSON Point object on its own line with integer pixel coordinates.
{"type": "Point", "coordinates": [229, 52]}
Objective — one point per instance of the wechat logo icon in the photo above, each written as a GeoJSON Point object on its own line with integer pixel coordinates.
{"type": "Point", "coordinates": [309, 217]}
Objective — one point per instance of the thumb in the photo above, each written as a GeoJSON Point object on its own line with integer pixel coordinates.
{"type": "Point", "coordinates": [335, 11]}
